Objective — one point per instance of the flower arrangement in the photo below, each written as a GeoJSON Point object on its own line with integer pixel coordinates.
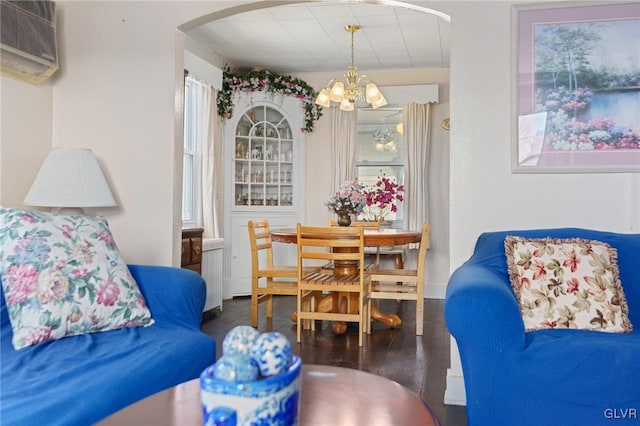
{"type": "Point", "coordinates": [382, 199]}
{"type": "Point", "coordinates": [350, 199]}
{"type": "Point", "coordinates": [263, 80]}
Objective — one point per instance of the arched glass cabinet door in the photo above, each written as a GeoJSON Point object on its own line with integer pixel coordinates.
{"type": "Point", "coordinates": [263, 160]}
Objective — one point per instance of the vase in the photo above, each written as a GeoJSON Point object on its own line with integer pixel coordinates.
{"type": "Point", "coordinates": [344, 219]}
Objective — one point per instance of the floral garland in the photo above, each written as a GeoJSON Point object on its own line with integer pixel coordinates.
{"type": "Point", "coordinates": [263, 80]}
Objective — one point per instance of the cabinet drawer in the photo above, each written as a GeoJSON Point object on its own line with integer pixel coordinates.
{"type": "Point", "coordinates": [196, 250]}
{"type": "Point", "coordinates": [191, 256]}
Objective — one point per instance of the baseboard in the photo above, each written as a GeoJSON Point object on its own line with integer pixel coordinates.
{"type": "Point", "coordinates": [211, 314]}
{"type": "Point", "coordinates": [454, 394]}
{"type": "Point", "coordinates": [435, 291]}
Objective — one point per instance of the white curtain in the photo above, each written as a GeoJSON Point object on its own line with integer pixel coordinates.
{"type": "Point", "coordinates": [209, 120]}
{"type": "Point", "coordinates": [343, 145]}
{"type": "Point", "coordinates": [417, 122]}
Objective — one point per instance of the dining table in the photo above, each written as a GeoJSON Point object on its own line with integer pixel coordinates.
{"type": "Point", "coordinates": [383, 237]}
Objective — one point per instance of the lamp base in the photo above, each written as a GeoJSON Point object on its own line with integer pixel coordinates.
{"type": "Point", "coordinates": [79, 211]}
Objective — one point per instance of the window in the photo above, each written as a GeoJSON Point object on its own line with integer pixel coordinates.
{"type": "Point", "coordinates": [192, 158]}
{"type": "Point", "coordinates": [380, 148]}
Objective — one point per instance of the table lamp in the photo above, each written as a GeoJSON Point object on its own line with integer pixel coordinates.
{"type": "Point", "coordinates": [70, 178]}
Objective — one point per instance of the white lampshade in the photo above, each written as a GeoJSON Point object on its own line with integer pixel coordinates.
{"type": "Point", "coordinates": [372, 93]}
{"type": "Point", "coordinates": [337, 91]}
{"type": "Point", "coordinates": [70, 177]}
{"type": "Point", "coordinates": [324, 98]}
{"type": "Point", "coordinates": [381, 101]}
{"type": "Point", "coordinates": [345, 105]}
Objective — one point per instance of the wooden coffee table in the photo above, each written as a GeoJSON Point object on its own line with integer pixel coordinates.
{"type": "Point", "coordinates": [329, 396]}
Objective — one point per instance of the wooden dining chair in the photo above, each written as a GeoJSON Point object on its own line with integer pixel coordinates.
{"type": "Point", "coordinates": [402, 284]}
{"type": "Point", "coordinates": [267, 279]}
{"type": "Point", "coordinates": [344, 248]}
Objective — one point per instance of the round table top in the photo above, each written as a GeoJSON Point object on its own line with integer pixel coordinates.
{"type": "Point", "coordinates": [328, 395]}
{"type": "Point", "coordinates": [372, 237]}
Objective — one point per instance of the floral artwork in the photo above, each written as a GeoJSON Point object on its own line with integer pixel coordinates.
{"type": "Point", "coordinates": [577, 66]}
{"type": "Point", "coordinates": [350, 199]}
{"type": "Point", "coordinates": [63, 275]}
{"type": "Point", "coordinates": [382, 199]}
{"type": "Point", "coordinates": [255, 81]}
{"type": "Point", "coordinates": [567, 283]}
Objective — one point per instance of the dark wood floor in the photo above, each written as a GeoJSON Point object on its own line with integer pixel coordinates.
{"type": "Point", "coordinates": [417, 362]}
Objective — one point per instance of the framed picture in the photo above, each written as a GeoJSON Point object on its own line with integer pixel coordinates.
{"type": "Point", "coordinates": [577, 88]}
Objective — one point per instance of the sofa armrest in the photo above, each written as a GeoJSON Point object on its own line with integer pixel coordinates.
{"type": "Point", "coordinates": [174, 296]}
{"type": "Point", "coordinates": [481, 311]}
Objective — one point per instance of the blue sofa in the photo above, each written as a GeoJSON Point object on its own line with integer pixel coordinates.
{"type": "Point", "coordinates": [546, 377]}
{"type": "Point", "coordinates": [80, 380]}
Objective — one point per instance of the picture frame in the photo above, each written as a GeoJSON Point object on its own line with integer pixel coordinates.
{"type": "Point", "coordinates": [576, 88]}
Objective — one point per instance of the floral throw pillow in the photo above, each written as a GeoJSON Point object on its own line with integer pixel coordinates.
{"type": "Point", "coordinates": [63, 275]}
{"type": "Point", "coordinates": [567, 283]}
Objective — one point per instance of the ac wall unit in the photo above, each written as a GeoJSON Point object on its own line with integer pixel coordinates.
{"type": "Point", "coordinates": [28, 42]}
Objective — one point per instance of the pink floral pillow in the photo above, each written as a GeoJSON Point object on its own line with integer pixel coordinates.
{"type": "Point", "coordinates": [567, 283]}
{"type": "Point", "coordinates": [63, 275]}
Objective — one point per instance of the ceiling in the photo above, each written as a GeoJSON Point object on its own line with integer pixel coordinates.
{"type": "Point", "coordinates": [310, 37]}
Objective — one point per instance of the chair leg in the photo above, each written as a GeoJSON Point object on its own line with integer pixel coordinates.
{"type": "Point", "coordinates": [361, 324]}
{"type": "Point", "coordinates": [270, 299]}
{"type": "Point", "coordinates": [399, 265]}
{"type": "Point", "coordinates": [313, 302]}
{"type": "Point", "coordinates": [419, 309]}
{"type": "Point", "coordinates": [299, 305]}
{"type": "Point", "coordinates": [254, 303]}
{"type": "Point", "coordinates": [308, 304]}
{"type": "Point", "coordinates": [399, 261]}
{"type": "Point", "coordinates": [368, 328]}
{"type": "Point", "coordinates": [367, 317]}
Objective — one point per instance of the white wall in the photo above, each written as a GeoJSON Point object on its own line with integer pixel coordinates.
{"type": "Point", "coordinates": [116, 95]}
{"type": "Point", "coordinates": [25, 137]}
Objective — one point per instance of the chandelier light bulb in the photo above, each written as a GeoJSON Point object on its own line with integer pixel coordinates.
{"type": "Point", "coordinates": [379, 146]}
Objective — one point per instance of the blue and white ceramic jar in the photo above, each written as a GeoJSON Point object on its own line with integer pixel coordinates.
{"type": "Point", "coordinates": [272, 400]}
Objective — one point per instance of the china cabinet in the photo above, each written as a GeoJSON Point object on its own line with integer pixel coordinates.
{"type": "Point", "coordinates": [263, 151]}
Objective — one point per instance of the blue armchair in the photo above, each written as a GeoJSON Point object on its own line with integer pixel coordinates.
{"type": "Point", "coordinates": [545, 377]}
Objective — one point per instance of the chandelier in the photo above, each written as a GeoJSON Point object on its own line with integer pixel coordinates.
{"type": "Point", "coordinates": [383, 138]}
{"type": "Point", "coordinates": [348, 88]}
